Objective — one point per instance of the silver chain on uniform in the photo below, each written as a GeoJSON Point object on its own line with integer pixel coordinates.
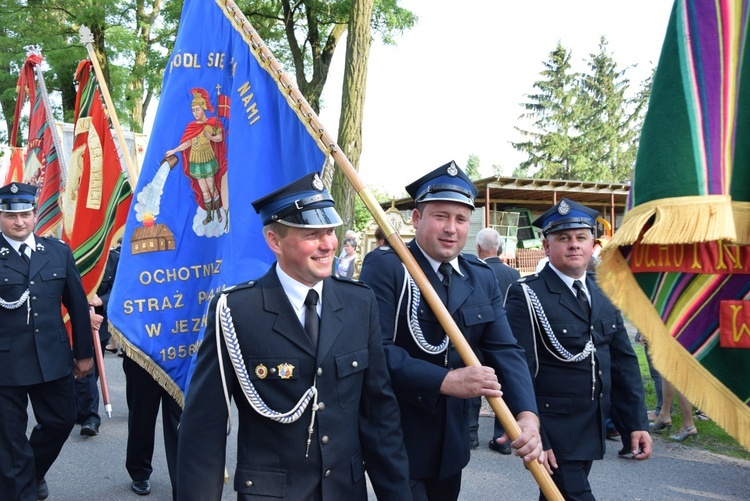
{"type": "Point", "coordinates": [225, 324]}
{"type": "Point", "coordinates": [559, 352]}
{"type": "Point", "coordinates": [413, 297]}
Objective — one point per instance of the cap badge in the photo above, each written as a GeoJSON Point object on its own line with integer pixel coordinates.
{"type": "Point", "coordinates": [452, 170]}
{"type": "Point", "coordinates": [261, 371]}
{"type": "Point", "coordinates": [286, 371]}
{"type": "Point", "coordinates": [317, 183]}
{"type": "Point", "coordinates": [564, 208]}
{"type": "Point", "coordinates": [13, 188]}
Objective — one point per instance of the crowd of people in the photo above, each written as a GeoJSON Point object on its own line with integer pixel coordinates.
{"type": "Point", "coordinates": [321, 403]}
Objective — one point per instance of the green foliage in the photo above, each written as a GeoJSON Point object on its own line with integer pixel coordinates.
{"type": "Point", "coordinates": [552, 146]}
{"type": "Point", "coordinates": [132, 39]}
{"type": "Point", "coordinates": [585, 125]}
{"type": "Point", "coordinates": [362, 215]}
{"type": "Point", "coordinates": [303, 35]}
{"type": "Point", "coordinates": [472, 167]}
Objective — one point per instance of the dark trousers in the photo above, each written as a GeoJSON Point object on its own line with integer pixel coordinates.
{"type": "Point", "coordinates": [572, 479]}
{"type": "Point", "coordinates": [475, 405]}
{"type": "Point", "coordinates": [432, 489]}
{"type": "Point", "coordinates": [145, 396]}
{"type": "Point", "coordinates": [87, 399]}
{"type": "Point", "coordinates": [24, 461]}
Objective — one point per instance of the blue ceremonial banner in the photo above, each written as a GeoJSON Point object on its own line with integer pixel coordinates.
{"type": "Point", "coordinates": [224, 135]}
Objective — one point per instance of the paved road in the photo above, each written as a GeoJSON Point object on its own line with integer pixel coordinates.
{"type": "Point", "coordinates": [93, 468]}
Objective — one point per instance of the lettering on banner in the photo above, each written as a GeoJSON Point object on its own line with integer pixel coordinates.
{"type": "Point", "coordinates": [251, 107]}
{"type": "Point", "coordinates": [188, 324]}
{"type": "Point", "coordinates": [179, 351]}
{"type": "Point", "coordinates": [720, 258]}
{"type": "Point", "coordinates": [194, 61]}
{"type": "Point", "coordinates": [734, 324]}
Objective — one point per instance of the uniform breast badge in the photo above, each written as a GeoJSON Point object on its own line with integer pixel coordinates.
{"type": "Point", "coordinates": [261, 371]}
{"type": "Point", "coordinates": [286, 371]}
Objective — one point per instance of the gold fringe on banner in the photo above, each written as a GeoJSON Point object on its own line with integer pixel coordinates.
{"type": "Point", "coordinates": [161, 377]}
{"type": "Point", "coordinates": [669, 357]}
{"type": "Point", "coordinates": [679, 220]}
{"type": "Point", "coordinates": [741, 212]}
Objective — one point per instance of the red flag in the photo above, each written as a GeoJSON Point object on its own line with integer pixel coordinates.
{"type": "Point", "coordinates": [15, 168]}
{"type": "Point", "coordinates": [24, 86]}
{"type": "Point", "coordinates": [42, 166]}
{"type": "Point", "coordinates": [97, 194]}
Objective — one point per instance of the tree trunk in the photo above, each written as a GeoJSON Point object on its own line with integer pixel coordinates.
{"type": "Point", "coordinates": [358, 45]}
{"type": "Point", "coordinates": [8, 105]}
{"type": "Point", "coordinates": [135, 91]}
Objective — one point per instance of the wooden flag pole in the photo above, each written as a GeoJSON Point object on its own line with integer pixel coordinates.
{"type": "Point", "coordinates": [88, 40]}
{"type": "Point", "coordinates": [102, 371]}
{"type": "Point", "coordinates": [309, 117]}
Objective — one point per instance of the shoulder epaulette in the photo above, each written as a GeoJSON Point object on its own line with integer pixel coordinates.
{"type": "Point", "coordinates": [55, 240]}
{"type": "Point", "coordinates": [237, 287]}
{"type": "Point", "coordinates": [472, 259]}
{"type": "Point", "coordinates": [528, 278]}
{"type": "Point", "coordinates": [386, 249]}
{"type": "Point", "coordinates": [345, 280]}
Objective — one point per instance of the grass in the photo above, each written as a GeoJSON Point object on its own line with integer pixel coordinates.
{"type": "Point", "coordinates": [711, 436]}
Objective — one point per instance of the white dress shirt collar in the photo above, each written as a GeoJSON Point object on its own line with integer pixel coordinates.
{"type": "Point", "coordinates": [435, 264]}
{"type": "Point", "coordinates": [297, 292]}
{"type": "Point", "coordinates": [569, 281]}
{"type": "Point", "coordinates": [30, 241]}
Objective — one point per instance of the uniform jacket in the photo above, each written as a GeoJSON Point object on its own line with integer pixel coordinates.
{"type": "Point", "coordinates": [573, 423]}
{"type": "Point", "coordinates": [34, 345]}
{"type": "Point", "coordinates": [505, 274]}
{"type": "Point", "coordinates": [353, 387]}
{"type": "Point", "coordinates": [105, 288]}
{"type": "Point", "coordinates": [436, 427]}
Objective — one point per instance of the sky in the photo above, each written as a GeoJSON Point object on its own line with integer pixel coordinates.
{"type": "Point", "coordinates": [452, 86]}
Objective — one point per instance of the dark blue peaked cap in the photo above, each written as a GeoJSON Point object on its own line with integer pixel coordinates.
{"type": "Point", "coordinates": [304, 203]}
{"type": "Point", "coordinates": [17, 197]}
{"type": "Point", "coordinates": [447, 183]}
{"type": "Point", "coordinates": [566, 215]}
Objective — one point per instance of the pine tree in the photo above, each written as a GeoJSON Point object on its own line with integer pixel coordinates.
{"type": "Point", "coordinates": [472, 167]}
{"type": "Point", "coordinates": [585, 126]}
{"type": "Point", "coordinates": [552, 145]}
{"type": "Point", "coordinates": [609, 124]}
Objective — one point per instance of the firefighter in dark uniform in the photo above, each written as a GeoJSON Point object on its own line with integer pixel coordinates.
{"type": "Point", "coordinates": [87, 389]}
{"type": "Point", "coordinates": [432, 384]}
{"type": "Point", "coordinates": [578, 352]}
{"type": "Point", "coordinates": [37, 363]}
{"type": "Point", "coordinates": [314, 398]}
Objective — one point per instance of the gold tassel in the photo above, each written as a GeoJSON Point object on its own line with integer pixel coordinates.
{"type": "Point", "coordinates": [145, 361]}
{"type": "Point", "coordinates": [741, 212]}
{"type": "Point", "coordinates": [679, 220]}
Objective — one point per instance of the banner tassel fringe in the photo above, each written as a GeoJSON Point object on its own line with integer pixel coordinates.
{"type": "Point", "coordinates": [701, 387]}
{"type": "Point", "coordinates": [136, 355]}
{"type": "Point", "coordinates": [683, 220]}
{"type": "Point", "coordinates": [741, 212]}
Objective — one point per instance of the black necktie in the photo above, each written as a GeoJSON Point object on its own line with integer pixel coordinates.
{"type": "Point", "coordinates": [312, 321]}
{"type": "Point", "coordinates": [446, 269]}
{"type": "Point", "coordinates": [581, 296]}
{"type": "Point", "coordinates": [22, 250]}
